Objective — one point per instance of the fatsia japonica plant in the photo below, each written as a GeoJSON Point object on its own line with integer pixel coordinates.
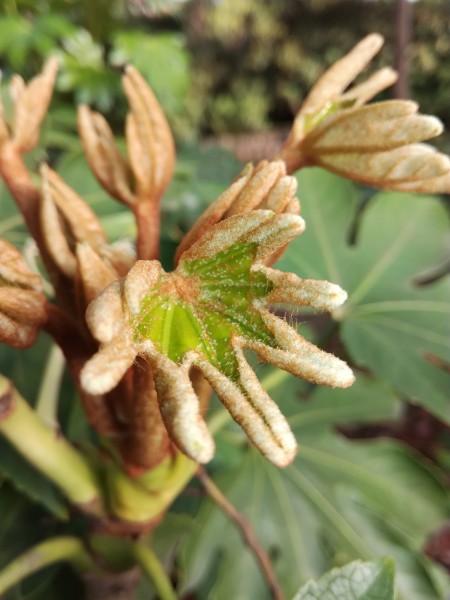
{"type": "Point", "coordinates": [146, 347]}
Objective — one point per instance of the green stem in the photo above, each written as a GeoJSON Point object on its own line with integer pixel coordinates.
{"type": "Point", "coordinates": [47, 400]}
{"type": "Point", "coordinates": [147, 497]}
{"type": "Point", "coordinates": [64, 548]}
{"type": "Point", "coordinates": [45, 448]}
{"type": "Point", "coordinates": [154, 570]}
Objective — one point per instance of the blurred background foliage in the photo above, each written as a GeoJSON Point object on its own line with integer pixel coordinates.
{"type": "Point", "coordinates": [234, 66]}
{"type": "Point", "coordinates": [241, 68]}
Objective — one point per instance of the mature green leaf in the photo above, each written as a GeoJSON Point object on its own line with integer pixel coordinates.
{"type": "Point", "coordinates": [366, 401]}
{"type": "Point", "coordinates": [84, 71]}
{"type": "Point", "coordinates": [397, 329]}
{"type": "Point", "coordinates": [356, 581]}
{"type": "Point", "coordinates": [16, 515]}
{"type": "Point", "coordinates": [339, 501]}
{"type": "Point", "coordinates": [25, 368]}
{"type": "Point", "coordinates": [30, 482]}
{"type": "Point", "coordinates": [23, 524]}
{"type": "Point", "coordinates": [20, 36]}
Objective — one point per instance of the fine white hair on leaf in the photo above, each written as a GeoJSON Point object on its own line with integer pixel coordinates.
{"type": "Point", "coordinates": [107, 367]}
{"type": "Point", "coordinates": [180, 408]}
{"type": "Point", "coordinates": [139, 282]}
{"type": "Point", "coordinates": [291, 289]}
{"type": "Point", "coordinates": [252, 408]}
{"type": "Point", "coordinates": [104, 315]}
{"type": "Point", "coordinates": [299, 357]}
{"type": "Point", "coordinates": [226, 233]}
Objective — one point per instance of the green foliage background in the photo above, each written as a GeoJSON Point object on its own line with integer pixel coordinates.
{"type": "Point", "coordinates": [342, 499]}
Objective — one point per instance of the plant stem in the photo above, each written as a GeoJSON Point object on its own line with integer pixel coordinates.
{"type": "Point", "coordinates": [64, 548]}
{"type": "Point", "coordinates": [154, 570]}
{"type": "Point", "coordinates": [146, 442]}
{"type": "Point", "coordinates": [246, 531]}
{"type": "Point", "coordinates": [146, 213]}
{"type": "Point", "coordinates": [145, 498]}
{"type": "Point", "coordinates": [47, 400]}
{"type": "Point", "coordinates": [45, 448]}
{"type": "Point", "coordinates": [22, 188]}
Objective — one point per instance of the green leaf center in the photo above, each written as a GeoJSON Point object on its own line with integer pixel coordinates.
{"type": "Point", "coordinates": [204, 304]}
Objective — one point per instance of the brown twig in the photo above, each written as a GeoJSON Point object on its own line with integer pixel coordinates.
{"type": "Point", "coordinates": [246, 531]}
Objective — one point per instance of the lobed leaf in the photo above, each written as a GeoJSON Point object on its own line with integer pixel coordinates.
{"type": "Point", "coordinates": [389, 324]}
{"type": "Point", "coordinates": [339, 501]}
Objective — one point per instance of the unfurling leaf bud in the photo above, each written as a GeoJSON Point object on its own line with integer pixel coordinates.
{"type": "Point", "coordinates": [375, 144]}
{"type": "Point", "coordinates": [65, 220]}
{"type": "Point", "coordinates": [265, 186]}
{"type": "Point", "coordinates": [205, 314]}
{"type": "Point", "coordinates": [105, 160]}
{"type": "Point", "coordinates": [151, 149]}
{"type": "Point", "coordinates": [22, 303]}
{"type": "Point", "coordinates": [30, 106]}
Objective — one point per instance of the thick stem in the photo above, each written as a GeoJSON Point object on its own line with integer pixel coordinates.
{"type": "Point", "coordinates": [46, 449]}
{"type": "Point", "coordinates": [154, 570]}
{"type": "Point", "coordinates": [147, 215]}
{"type": "Point", "coordinates": [111, 586]}
{"type": "Point", "coordinates": [246, 531]}
{"type": "Point", "coordinates": [147, 442]}
{"type": "Point", "coordinates": [292, 157]}
{"type": "Point", "coordinates": [63, 548]}
{"type": "Point", "coordinates": [142, 501]}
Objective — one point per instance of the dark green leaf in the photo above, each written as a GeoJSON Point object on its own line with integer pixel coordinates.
{"type": "Point", "coordinates": [30, 482]}
{"type": "Point", "coordinates": [397, 329]}
{"type": "Point", "coordinates": [339, 501]}
{"type": "Point", "coordinates": [11, 222]}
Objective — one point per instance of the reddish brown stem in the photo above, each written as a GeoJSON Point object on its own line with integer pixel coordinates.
{"type": "Point", "coordinates": [19, 182]}
{"type": "Point", "coordinates": [146, 213]}
{"type": "Point", "coordinates": [76, 351]}
{"type": "Point", "coordinates": [146, 443]}
{"type": "Point", "coordinates": [292, 157]}
{"type": "Point", "coordinates": [246, 531]}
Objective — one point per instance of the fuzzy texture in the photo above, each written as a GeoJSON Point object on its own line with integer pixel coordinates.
{"type": "Point", "coordinates": [203, 315]}
{"type": "Point", "coordinates": [22, 303]}
{"type": "Point", "coordinates": [378, 144]}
